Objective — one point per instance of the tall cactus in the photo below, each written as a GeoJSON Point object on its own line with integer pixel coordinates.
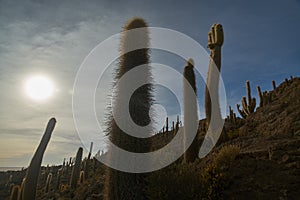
{"type": "Point", "coordinates": [121, 185]}
{"type": "Point", "coordinates": [30, 183]}
{"type": "Point", "coordinates": [215, 42]}
{"type": "Point", "coordinates": [190, 111]}
{"type": "Point", "coordinates": [76, 169]}
{"type": "Point", "coordinates": [249, 107]}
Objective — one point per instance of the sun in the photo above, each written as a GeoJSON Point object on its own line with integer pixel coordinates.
{"type": "Point", "coordinates": [39, 87]}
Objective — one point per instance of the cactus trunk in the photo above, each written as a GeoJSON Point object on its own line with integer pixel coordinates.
{"type": "Point", "coordinates": [215, 42]}
{"type": "Point", "coordinates": [48, 182]}
{"type": "Point", "coordinates": [121, 185]}
{"type": "Point", "coordinates": [15, 193]}
{"type": "Point", "coordinates": [190, 111]}
{"type": "Point", "coordinates": [76, 169]}
{"type": "Point", "coordinates": [30, 183]}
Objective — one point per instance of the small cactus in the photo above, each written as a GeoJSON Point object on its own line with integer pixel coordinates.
{"type": "Point", "coordinates": [21, 189]}
{"type": "Point", "coordinates": [48, 182]}
{"type": "Point", "coordinates": [31, 178]}
{"type": "Point", "coordinates": [232, 116]}
{"type": "Point", "coordinates": [15, 192]}
{"type": "Point", "coordinates": [249, 107]}
{"type": "Point", "coordinates": [59, 174]}
{"type": "Point", "coordinates": [177, 123]}
{"type": "Point", "coordinates": [76, 169]}
{"type": "Point", "coordinates": [264, 97]}
{"type": "Point", "coordinates": [274, 85]}
{"type": "Point", "coordinates": [167, 124]}
{"type": "Point", "coordinates": [81, 177]}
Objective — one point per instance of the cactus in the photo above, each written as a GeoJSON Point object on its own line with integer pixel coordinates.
{"type": "Point", "coordinates": [264, 98]}
{"type": "Point", "coordinates": [167, 124]}
{"type": "Point", "coordinates": [190, 111]}
{"type": "Point", "coordinates": [177, 123]}
{"type": "Point", "coordinates": [260, 96]}
{"type": "Point", "coordinates": [15, 192]}
{"type": "Point", "coordinates": [30, 184]}
{"type": "Point", "coordinates": [81, 177]}
{"type": "Point", "coordinates": [87, 162]}
{"type": "Point", "coordinates": [215, 42]}
{"type": "Point", "coordinates": [121, 185]}
{"type": "Point", "coordinates": [249, 107]}
{"type": "Point", "coordinates": [76, 169]}
{"type": "Point", "coordinates": [21, 189]}
{"type": "Point", "coordinates": [232, 116]}
{"type": "Point", "coordinates": [59, 174]}
{"type": "Point", "coordinates": [274, 85]}
{"type": "Point", "coordinates": [91, 150]}
{"type": "Point", "coordinates": [48, 182]}
{"type": "Point", "coordinates": [173, 126]}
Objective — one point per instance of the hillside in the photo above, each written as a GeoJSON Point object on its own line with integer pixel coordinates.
{"type": "Point", "coordinates": [256, 158]}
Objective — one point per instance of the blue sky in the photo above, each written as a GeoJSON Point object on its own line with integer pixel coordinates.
{"type": "Point", "coordinates": [53, 38]}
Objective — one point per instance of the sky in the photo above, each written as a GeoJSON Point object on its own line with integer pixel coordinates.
{"type": "Point", "coordinates": [53, 38]}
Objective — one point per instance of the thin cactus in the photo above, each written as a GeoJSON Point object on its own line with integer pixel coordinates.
{"type": "Point", "coordinates": [48, 182]}
{"type": "Point", "coordinates": [121, 185]}
{"type": "Point", "coordinates": [30, 184]}
{"type": "Point", "coordinates": [59, 174]}
{"type": "Point", "coordinates": [15, 192]}
{"type": "Point", "coordinates": [274, 85]}
{"type": "Point", "coordinates": [264, 97]}
{"type": "Point", "coordinates": [21, 189]}
{"type": "Point", "coordinates": [249, 107]}
{"type": "Point", "coordinates": [260, 96]}
{"type": "Point", "coordinates": [232, 116]}
{"type": "Point", "coordinates": [215, 42]}
{"type": "Point", "coordinates": [76, 169]}
{"type": "Point", "coordinates": [173, 126]}
{"type": "Point", "coordinates": [91, 150]}
{"type": "Point", "coordinates": [190, 111]}
{"type": "Point", "coordinates": [177, 123]}
{"type": "Point", "coordinates": [167, 124]}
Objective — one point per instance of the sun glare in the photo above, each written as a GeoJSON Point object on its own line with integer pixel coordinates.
{"type": "Point", "coordinates": [39, 87]}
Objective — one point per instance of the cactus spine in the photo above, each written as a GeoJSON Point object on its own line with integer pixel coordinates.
{"type": "Point", "coordinates": [121, 185]}
{"type": "Point", "coordinates": [215, 42]}
{"type": "Point", "coordinates": [30, 183]}
{"type": "Point", "coordinates": [76, 169]}
{"type": "Point", "coordinates": [190, 111]}
{"type": "Point", "coordinates": [48, 182]}
{"type": "Point", "coordinates": [15, 192]}
{"type": "Point", "coordinates": [249, 107]}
